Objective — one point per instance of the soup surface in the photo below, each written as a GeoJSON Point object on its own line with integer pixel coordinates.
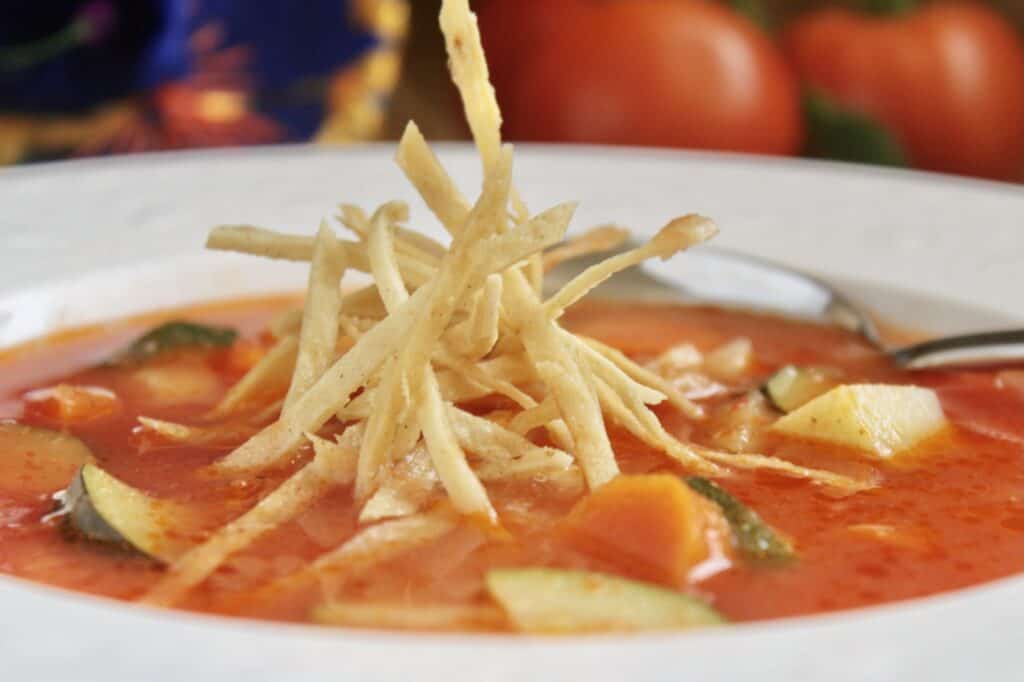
{"type": "Point", "coordinates": [946, 514]}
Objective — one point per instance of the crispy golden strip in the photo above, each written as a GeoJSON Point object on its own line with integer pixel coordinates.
{"type": "Point", "coordinates": [464, 488]}
{"type": "Point", "coordinates": [469, 72]}
{"type": "Point", "coordinates": [318, 337]}
{"type": "Point", "coordinates": [646, 377]}
{"type": "Point", "coordinates": [781, 466]}
{"type": "Point", "coordinates": [535, 417]}
{"type": "Point", "coordinates": [446, 203]}
{"type": "Point", "coordinates": [380, 246]}
{"type": "Point", "coordinates": [476, 336]}
{"type": "Point", "coordinates": [376, 450]}
{"type": "Point", "coordinates": [596, 240]}
{"type": "Point", "coordinates": [222, 434]}
{"type": "Point", "coordinates": [678, 235]}
{"type": "Point", "coordinates": [562, 372]}
{"type": "Point", "coordinates": [503, 449]}
{"type": "Point", "coordinates": [257, 241]}
{"type": "Point", "coordinates": [332, 464]}
{"type": "Point", "coordinates": [558, 369]}
{"type": "Point", "coordinates": [523, 241]}
{"type": "Point", "coordinates": [390, 402]}
{"type": "Point", "coordinates": [636, 418]}
{"type": "Point", "coordinates": [616, 378]}
{"type": "Point", "coordinates": [408, 242]}
{"type": "Point", "coordinates": [355, 219]}
{"type": "Point", "coordinates": [453, 285]}
{"type": "Point", "coordinates": [405, 489]}
{"type": "Point", "coordinates": [480, 377]}
{"type": "Point", "coordinates": [271, 373]}
{"type": "Point", "coordinates": [424, 171]}
{"type": "Point", "coordinates": [419, 245]}
{"type": "Point", "coordinates": [503, 374]}
{"type": "Point", "coordinates": [330, 393]}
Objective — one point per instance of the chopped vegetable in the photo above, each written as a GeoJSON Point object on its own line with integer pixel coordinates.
{"type": "Point", "coordinates": [729, 362]}
{"type": "Point", "coordinates": [165, 384]}
{"type": "Point", "coordinates": [792, 387]}
{"type": "Point", "coordinates": [739, 424]}
{"type": "Point", "coordinates": [38, 460]}
{"type": "Point", "coordinates": [105, 509]}
{"type": "Point", "coordinates": [877, 419]}
{"type": "Point", "coordinates": [545, 600]}
{"type": "Point", "coordinates": [650, 526]}
{"type": "Point", "coordinates": [176, 334]}
{"type": "Point", "coordinates": [753, 537]}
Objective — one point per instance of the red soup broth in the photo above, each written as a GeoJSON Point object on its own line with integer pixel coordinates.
{"type": "Point", "coordinates": [947, 515]}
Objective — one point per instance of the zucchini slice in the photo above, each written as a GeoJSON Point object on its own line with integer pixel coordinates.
{"type": "Point", "coordinates": [547, 600]}
{"type": "Point", "coordinates": [36, 461]}
{"type": "Point", "coordinates": [175, 334]}
{"type": "Point", "coordinates": [791, 386]}
{"type": "Point", "coordinates": [105, 509]}
{"type": "Point", "coordinates": [754, 538]}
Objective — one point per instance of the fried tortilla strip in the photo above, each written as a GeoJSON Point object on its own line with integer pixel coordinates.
{"type": "Point", "coordinates": [678, 235]}
{"type": "Point", "coordinates": [597, 240]}
{"type": "Point", "coordinates": [318, 336]}
{"type": "Point", "coordinates": [270, 375]}
{"type": "Point", "coordinates": [333, 464]}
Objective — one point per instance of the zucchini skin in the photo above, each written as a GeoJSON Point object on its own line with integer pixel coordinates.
{"type": "Point", "coordinates": [756, 540]}
{"type": "Point", "coordinates": [84, 518]}
{"type": "Point", "coordinates": [172, 335]}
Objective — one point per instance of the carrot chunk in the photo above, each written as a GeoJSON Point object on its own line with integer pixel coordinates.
{"type": "Point", "coordinates": [651, 527]}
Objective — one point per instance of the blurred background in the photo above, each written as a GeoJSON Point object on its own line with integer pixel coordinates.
{"type": "Point", "coordinates": [937, 85]}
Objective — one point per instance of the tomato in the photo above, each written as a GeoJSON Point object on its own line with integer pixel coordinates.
{"type": "Point", "coordinates": [947, 80]}
{"type": "Point", "coordinates": [512, 29]}
{"type": "Point", "coordinates": [681, 73]}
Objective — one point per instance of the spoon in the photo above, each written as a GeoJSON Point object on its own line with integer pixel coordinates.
{"type": "Point", "coordinates": [731, 279]}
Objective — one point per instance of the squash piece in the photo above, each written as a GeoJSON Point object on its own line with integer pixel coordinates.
{"type": "Point", "coordinates": [105, 509]}
{"type": "Point", "coordinates": [545, 600]}
{"type": "Point", "coordinates": [35, 461]}
{"type": "Point", "coordinates": [879, 420]}
{"type": "Point", "coordinates": [652, 526]}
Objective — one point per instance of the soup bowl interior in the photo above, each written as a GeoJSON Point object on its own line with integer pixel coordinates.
{"type": "Point", "coordinates": [87, 242]}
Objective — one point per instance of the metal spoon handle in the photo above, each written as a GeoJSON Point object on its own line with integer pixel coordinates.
{"type": "Point", "coordinates": [986, 348]}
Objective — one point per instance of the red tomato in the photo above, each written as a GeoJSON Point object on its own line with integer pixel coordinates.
{"type": "Point", "coordinates": [682, 73]}
{"type": "Point", "coordinates": [947, 80]}
{"type": "Point", "coordinates": [512, 29]}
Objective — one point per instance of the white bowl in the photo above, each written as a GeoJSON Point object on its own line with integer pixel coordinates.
{"type": "Point", "coordinates": [91, 240]}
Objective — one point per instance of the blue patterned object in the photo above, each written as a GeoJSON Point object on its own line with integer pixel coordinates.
{"type": "Point", "coordinates": [95, 76]}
